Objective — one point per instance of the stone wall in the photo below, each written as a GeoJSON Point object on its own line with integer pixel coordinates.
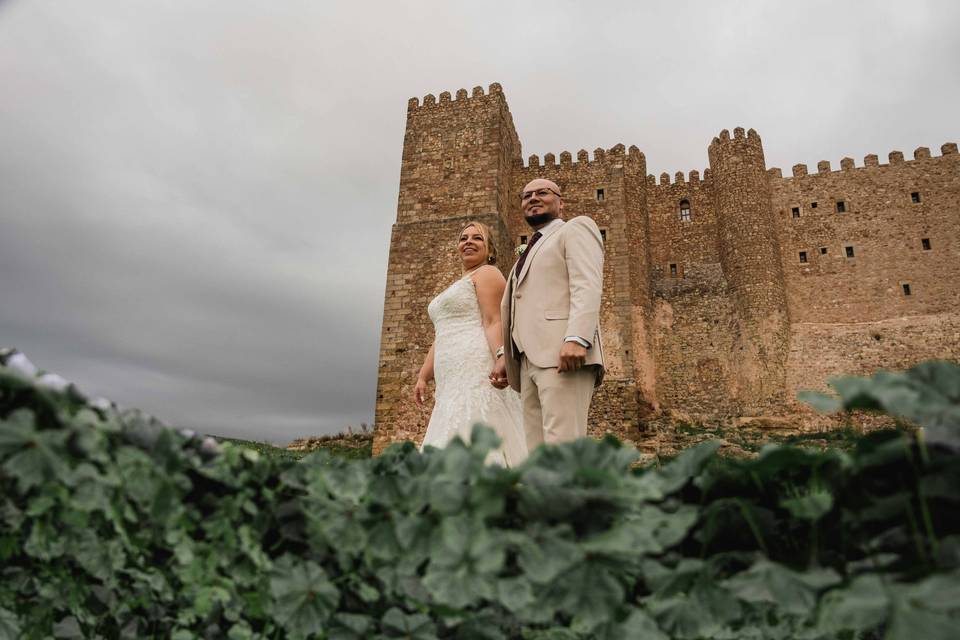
{"type": "Point", "coordinates": [694, 325]}
{"type": "Point", "coordinates": [819, 351]}
{"type": "Point", "coordinates": [885, 230]}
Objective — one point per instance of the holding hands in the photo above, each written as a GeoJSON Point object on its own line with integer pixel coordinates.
{"type": "Point", "coordinates": [498, 377]}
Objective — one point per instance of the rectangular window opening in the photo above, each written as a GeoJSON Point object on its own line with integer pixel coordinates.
{"type": "Point", "coordinates": [915, 197]}
{"type": "Point", "coordinates": [603, 234]}
{"type": "Point", "coordinates": [523, 239]}
{"type": "Point", "coordinates": [906, 289]}
{"type": "Point", "coordinates": [823, 251]}
{"type": "Point", "coordinates": [925, 243]}
{"type": "Point", "coordinates": [813, 205]}
{"type": "Point", "coordinates": [673, 270]}
{"type": "Point", "coordinates": [803, 257]}
{"type": "Point", "coordinates": [841, 206]}
{"type": "Point", "coordinates": [795, 211]}
{"type": "Point", "coordinates": [849, 251]}
{"type": "Point", "coordinates": [599, 195]}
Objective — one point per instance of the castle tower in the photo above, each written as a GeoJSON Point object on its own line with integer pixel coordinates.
{"type": "Point", "coordinates": [750, 259]}
{"type": "Point", "coordinates": [456, 166]}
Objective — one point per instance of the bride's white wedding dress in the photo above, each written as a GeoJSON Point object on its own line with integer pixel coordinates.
{"type": "Point", "coordinates": [461, 366]}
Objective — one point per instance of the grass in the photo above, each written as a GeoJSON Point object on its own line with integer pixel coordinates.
{"type": "Point", "coordinates": [267, 449]}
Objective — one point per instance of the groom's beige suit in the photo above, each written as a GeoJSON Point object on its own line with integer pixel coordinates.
{"type": "Point", "coordinates": [556, 296]}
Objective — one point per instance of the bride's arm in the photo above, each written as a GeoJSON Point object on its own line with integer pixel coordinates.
{"type": "Point", "coordinates": [490, 285]}
{"type": "Point", "coordinates": [425, 376]}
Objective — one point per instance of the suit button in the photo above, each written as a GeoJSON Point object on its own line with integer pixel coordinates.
{"type": "Point", "coordinates": [518, 296]}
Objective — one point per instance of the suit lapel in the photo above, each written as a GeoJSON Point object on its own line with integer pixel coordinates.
{"type": "Point", "coordinates": [536, 248]}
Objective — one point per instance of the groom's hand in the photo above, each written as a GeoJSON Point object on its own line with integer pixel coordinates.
{"type": "Point", "coordinates": [572, 356]}
{"type": "Point", "coordinates": [498, 377]}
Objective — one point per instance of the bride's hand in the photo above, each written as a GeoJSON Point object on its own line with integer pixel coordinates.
{"type": "Point", "coordinates": [498, 377]}
{"type": "Point", "coordinates": [420, 392]}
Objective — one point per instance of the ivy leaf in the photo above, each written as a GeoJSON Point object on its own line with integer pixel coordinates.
{"type": "Point", "coordinates": [590, 592]}
{"type": "Point", "coordinates": [679, 471]}
{"type": "Point", "coordinates": [769, 582]}
{"type": "Point", "coordinates": [9, 626]}
{"type": "Point", "coordinates": [910, 622]}
{"type": "Point", "coordinates": [938, 592]}
{"type": "Point", "coordinates": [701, 613]}
{"type": "Point", "coordinates": [860, 606]}
{"type": "Point", "coordinates": [651, 530]}
{"type": "Point", "coordinates": [415, 626]}
{"type": "Point", "coordinates": [483, 440]}
{"type": "Point", "coordinates": [68, 628]}
{"type": "Point", "coordinates": [45, 541]}
{"type": "Point", "coordinates": [347, 483]}
{"type": "Point", "coordinates": [31, 455]}
{"type": "Point", "coordinates": [548, 552]}
{"type": "Point", "coordinates": [811, 505]}
{"type": "Point", "coordinates": [350, 626]}
{"type": "Point", "coordinates": [464, 564]}
{"type": "Point", "coordinates": [638, 626]}
{"type": "Point", "coordinates": [303, 597]}
{"type": "Point", "coordinates": [483, 625]}
{"type": "Point", "coordinates": [240, 631]}
{"type": "Point", "coordinates": [514, 593]}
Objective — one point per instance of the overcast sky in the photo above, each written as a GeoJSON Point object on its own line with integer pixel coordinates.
{"type": "Point", "coordinates": [196, 196]}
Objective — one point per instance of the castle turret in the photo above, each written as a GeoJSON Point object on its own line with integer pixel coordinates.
{"type": "Point", "coordinates": [457, 161]}
{"type": "Point", "coordinates": [750, 259]}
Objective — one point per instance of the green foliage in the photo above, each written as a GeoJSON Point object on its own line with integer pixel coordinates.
{"type": "Point", "coordinates": [267, 449]}
{"type": "Point", "coordinates": [112, 526]}
{"type": "Point", "coordinates": [264, 448]}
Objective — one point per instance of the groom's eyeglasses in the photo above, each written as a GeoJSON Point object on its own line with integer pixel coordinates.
{"type": "Point", "coordinates": [540, 193]}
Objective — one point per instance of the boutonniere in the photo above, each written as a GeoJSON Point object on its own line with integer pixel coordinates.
{"type": "Point", "coordinates": [520, 249]}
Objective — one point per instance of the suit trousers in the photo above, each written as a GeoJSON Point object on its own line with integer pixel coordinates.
{"type": "Point", "coordinates": [555, 404]}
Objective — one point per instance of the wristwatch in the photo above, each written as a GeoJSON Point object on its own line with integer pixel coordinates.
{"type": "Point", "coordinates": [499, 351]}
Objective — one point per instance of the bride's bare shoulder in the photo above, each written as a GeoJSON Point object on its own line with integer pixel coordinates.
{"type": "Point", "coordinates": [487, 274]}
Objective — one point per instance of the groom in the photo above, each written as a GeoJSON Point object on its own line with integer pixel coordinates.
{"type": "Point", "coordinates": [550, 311]}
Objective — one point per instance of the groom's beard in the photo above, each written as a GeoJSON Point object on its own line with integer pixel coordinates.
{"type": "Point", "coordinates": [538, 219]}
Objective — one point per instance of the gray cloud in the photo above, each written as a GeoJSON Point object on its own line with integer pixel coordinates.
{"type": "Point", "coordinates": [196, 198]}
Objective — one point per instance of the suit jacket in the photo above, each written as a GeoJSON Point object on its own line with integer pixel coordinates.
{"type": "Point", "coordinates": [556, 295]}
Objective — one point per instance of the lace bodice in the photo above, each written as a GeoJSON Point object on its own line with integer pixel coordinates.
{"type": "Point", "coordinates": [459, 341]}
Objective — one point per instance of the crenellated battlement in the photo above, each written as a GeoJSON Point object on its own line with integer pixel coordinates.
{"type": "Point", "coordinates": [739, 136]}
{"type": "Point", "coordinates": [431, 101]}
{"type": "Point", "coordinates": [870, 161]}
{"type": "Point", "coordinates": [692, 178]}
{"type": "Point", "coordinates": [615, 155]}
{"type": "Point", "coordinates": [744, 149]}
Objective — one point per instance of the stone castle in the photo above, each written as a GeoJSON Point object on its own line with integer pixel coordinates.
{"type": "Point", "coordinates": [725, 292]}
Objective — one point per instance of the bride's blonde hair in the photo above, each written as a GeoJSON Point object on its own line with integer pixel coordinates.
{"type": "Point", "coordinates": [485, 232]}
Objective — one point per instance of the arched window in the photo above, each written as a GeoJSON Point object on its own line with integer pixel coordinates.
{"type": "Point", "coordinates": [685, 210]}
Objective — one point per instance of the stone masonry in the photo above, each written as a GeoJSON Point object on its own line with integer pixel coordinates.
{"type": "Point", "coordinates": [725, 293]}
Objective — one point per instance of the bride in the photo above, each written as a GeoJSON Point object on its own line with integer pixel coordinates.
{"type": "Point", "coordinates": [467, 335]}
